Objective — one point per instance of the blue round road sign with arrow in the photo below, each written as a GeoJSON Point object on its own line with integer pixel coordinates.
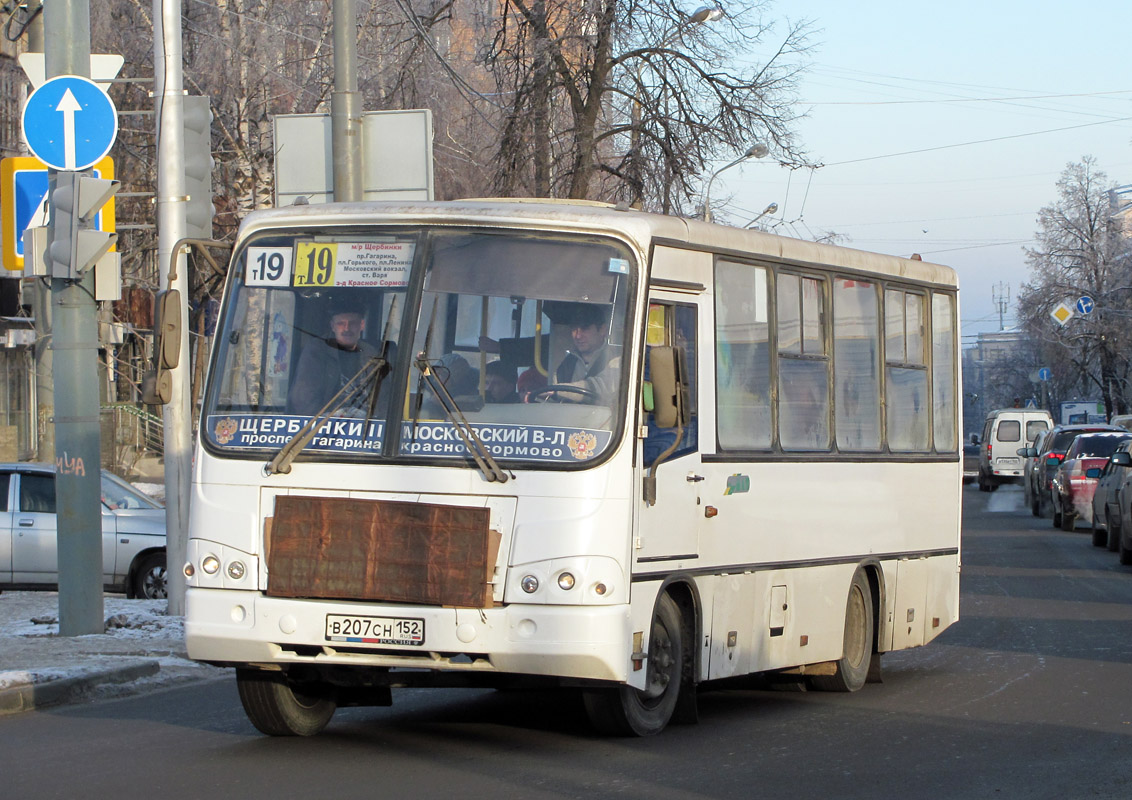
{"type": "Point", "coordinates": [1085, 304]}
{"type": "Point", "coordinates": [70, 123]}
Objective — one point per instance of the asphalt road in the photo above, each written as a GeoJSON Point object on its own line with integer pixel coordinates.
{"type": "Point", "coordinates": [1029, 696]}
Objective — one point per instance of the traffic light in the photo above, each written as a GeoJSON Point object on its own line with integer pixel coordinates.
{"type": "Point", "coordinates": [198, 167]}
{"type": "Point", "coordinates": [75, 245]}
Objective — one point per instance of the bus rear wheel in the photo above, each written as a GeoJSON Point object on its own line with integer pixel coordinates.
{"type": "Point", "coordinates": [279, 707]}
{"type": "Point", "coordinates": [625, 711]}
{"type": "Point", "coordinates": [853, 666]}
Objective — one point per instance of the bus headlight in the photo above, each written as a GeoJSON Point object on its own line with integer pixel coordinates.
{"type": "Point", "coordinates": [236, 570]}
{"type": "Point", "coordinates": [593, 580]}
{"type": "Point", "coordinates": [210, 564]}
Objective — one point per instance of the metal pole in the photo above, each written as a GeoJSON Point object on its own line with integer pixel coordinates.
{"type": "Point", "coordinates": [345, 106]}
{"type": "Point", "coordinates": [44, 444]}
{"type": "Point", "coordinates": [77, 436]}
{"type": "Point", "coordinates": [171, 226]}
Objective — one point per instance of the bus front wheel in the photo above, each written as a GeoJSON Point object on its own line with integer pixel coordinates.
{"type": "Point", "coordinates": [278, 707]}
{"type": "Point", "coordinates": [853, 666]}
{"type": "Point", "coordinates": [625, 711]}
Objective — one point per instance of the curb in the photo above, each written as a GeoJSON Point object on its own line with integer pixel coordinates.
{"type": "Point", "coordinates": [27, 696]}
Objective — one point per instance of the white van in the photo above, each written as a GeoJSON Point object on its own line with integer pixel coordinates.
{"type": "Point", "coordinates": [1005, 432]}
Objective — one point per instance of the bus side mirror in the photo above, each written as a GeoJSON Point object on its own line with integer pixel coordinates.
{"type": "Point", "coordinates": [157, 385]}
{"type": "Point", "coordinates": [670, 395]}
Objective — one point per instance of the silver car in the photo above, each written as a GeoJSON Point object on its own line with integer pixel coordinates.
{"type": "Point", "coordinates": [133, 533]}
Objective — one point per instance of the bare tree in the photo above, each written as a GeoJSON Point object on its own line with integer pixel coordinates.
{"type": "Point", "coordinates": [1083, 251]}
{"type": "Point", "coordinates": [633, 99]}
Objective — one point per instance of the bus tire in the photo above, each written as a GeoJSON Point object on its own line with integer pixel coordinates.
{"type": "Point", "coordinates": [853, 666]}
{"type": "Point", "coordinates": [626, 711]}
{"type": "Point", "coordinates": [277, 707]}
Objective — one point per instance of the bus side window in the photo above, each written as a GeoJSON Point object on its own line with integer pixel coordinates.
{"type": "Point", "coordinates": [673, 325]}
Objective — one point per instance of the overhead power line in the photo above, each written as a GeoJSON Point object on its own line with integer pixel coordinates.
{"type": "Point", "coordinates": [977, 141]}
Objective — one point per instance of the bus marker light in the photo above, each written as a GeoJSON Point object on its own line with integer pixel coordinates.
{"type": "Point", "coordinates": [529, 584]}
{"type": "Point", "coordinates": [210, 565]}
{"type": "Point", "coordinates": [600, 589]}
{"type": "Point", "coordinates": [189, 570]}
{"type": "Point", "coordinates": [565, 581]}
{"type": "Point", "coordinates": [710, 511]}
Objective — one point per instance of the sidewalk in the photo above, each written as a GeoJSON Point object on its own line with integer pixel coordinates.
{"type": "Point", "coordinates": [142, 649]}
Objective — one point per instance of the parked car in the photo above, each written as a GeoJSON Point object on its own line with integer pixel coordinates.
{"type": "Point", "coordinates": [133, 533]}
{"type": "Point", "coordinates": [1054, 445]}
{"type": "Point", "coordinates": [1029, 456]}
{"type": "Point", "coordinates": [1004, 432]}
{"type": "Point", "coordinates": [971, 459]}
{"type": "Point", "coordinates": [1106, 513]}
{"type": "Point", "coordinates": [1122, 420]}
{"type": "Point", "coordinates": [1071, 489]}
{"type": "Point", "coordinates": [1121, 524]}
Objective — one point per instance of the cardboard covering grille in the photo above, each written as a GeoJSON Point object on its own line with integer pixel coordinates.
{"type": "Point", "coordinates": [345, 548]}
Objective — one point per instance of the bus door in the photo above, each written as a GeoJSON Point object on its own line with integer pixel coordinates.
{"type": "Point", "coordinates": [671, 520]}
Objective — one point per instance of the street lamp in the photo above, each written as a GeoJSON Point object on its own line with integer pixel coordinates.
{"type": "Point", "coordinates": [770, 209]}
{"type": "Point", "coordinates": [757, 150]}
{"type": "Point", "coordinates": [698, 17]}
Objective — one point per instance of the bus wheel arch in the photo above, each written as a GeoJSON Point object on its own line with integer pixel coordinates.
{"type": "Point", "coordinates": [854, 667]}
{"type": "Point", "coordinates": [627, 711]}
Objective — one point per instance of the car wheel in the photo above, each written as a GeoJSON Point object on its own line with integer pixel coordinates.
{"type": "Point", "coordinates": [1100, 535]}
{"type": "Point", "coordinates": [1036, 506]}
{"type": "Point", "coordinates": [149, 578]}
{"type": "Point", "coordinates": [1124, 552]}
{"type": "Point", "coordinates": [279, 707]}
{"type": "Point", "coordinates": [1068, 521]}
{"type": "Point", "coordinates": [853, 666]}
{"type": "Point", "coordinates": [625, 711]}
{"type": "Point", "coordinates": [1113, 526]}
{"type": "Point", "coordinates": [1056, 511]}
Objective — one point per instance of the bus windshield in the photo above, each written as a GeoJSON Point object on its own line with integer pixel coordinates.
{"type": "Point", "coordinates": [412, 344]}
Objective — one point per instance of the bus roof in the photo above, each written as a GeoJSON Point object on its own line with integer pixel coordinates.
{"type": "Point", "coordinates": [591, 217]}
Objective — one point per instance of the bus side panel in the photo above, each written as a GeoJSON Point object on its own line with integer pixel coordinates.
{"type": "Point", "coordinates": [942, 608]}
{"type": "Point", "coordinates": [909, 608]}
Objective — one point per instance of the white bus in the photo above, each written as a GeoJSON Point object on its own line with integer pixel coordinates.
{"type": "Point", "coordinates": [515, 443]}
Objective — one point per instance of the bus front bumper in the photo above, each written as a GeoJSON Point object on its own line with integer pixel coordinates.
{"type": "Point", "coordinates": [239, 628]}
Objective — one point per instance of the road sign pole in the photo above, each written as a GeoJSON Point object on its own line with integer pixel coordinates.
{"type": "Point", "coordinates": [75, 345]}
{"type": "Point", "coordinates": [171, 228]}
{"type": "Point", "coordinates": [41, 312]}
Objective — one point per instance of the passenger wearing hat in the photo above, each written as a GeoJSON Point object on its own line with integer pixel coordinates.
{"type": "Point", "coordinates": [326, 365]}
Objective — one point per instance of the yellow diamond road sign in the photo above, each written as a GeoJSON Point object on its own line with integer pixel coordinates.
{"type": "Point", "coordinates": [1062, 313]}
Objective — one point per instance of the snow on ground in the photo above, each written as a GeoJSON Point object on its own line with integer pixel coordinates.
{"type": "Point", "coordinates": [31, 648]}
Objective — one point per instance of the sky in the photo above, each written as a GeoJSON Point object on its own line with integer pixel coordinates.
{"type": "Point", "coordinates": [885, 78]}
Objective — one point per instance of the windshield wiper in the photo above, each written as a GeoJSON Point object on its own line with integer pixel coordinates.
{"type": "Point", "coordinates": [375, 369]}
{"type": "Point", "coordinates": [486, 462]}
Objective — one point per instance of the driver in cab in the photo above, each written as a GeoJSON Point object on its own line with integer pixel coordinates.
{"type": "Point", "coordinates": [589, 366]}
{"type": "Point", "coordinates": [589, 371]}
